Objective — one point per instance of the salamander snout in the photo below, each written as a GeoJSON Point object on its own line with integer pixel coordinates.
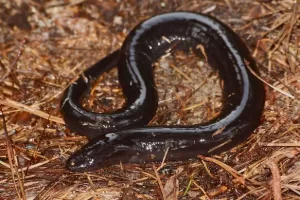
{"type": "Point", "coordinates": [78, 163]}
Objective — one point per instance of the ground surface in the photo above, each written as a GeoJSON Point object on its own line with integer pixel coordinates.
{"type": "Point", "coordinates": [45, 45]}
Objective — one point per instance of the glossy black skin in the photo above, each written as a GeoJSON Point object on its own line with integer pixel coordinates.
{"type": "Point", "coordinates": [137, 111]}
{"type": "Point", "coordinates": [123, 137]}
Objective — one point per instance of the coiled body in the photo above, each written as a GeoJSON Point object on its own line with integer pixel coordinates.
{"type": "Point", "coordinates": [123, 136]}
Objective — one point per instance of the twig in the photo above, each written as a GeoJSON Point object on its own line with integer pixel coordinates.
{"type": "Point", "coordinates": [181, 73]}
{"type": "Point", "coordinates": [207, 169]}
{"type": "Point", "coordinates": [159, 183]}
{"type": "Point", "coordinates": [277, 89]}
{"type": "Point", "coordinates": [276, 180]}
{"type": "Point", "coordinates": [164, 159]}
{"type": "Point", "coordinates": [11, 158]}
{"type": "Point", "coordinates": [32, 166]}
{"type": "Point", "coordinates": [202, 190]}
{"type": "Point", "coordinates": [13, 65]}
{"type": "Point", "coordinates": [229, 169]}
{"type": "Point", "coordinates": [280, 144]}
{"type": "Point", "coordinates": [23, 107]}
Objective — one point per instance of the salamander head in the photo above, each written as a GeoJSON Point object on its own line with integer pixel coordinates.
{"type": "Point", "coordinates": [99, 153]}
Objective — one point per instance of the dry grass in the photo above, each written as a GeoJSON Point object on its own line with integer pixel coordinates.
{"type": "Point", "coordinates": [45, 45]}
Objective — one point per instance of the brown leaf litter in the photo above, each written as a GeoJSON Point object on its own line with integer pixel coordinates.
{"type": "Point", "coordinates": [45, 46]}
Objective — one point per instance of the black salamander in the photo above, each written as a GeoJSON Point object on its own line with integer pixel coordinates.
{"type": "Point", "coordinates": [123, 135]}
